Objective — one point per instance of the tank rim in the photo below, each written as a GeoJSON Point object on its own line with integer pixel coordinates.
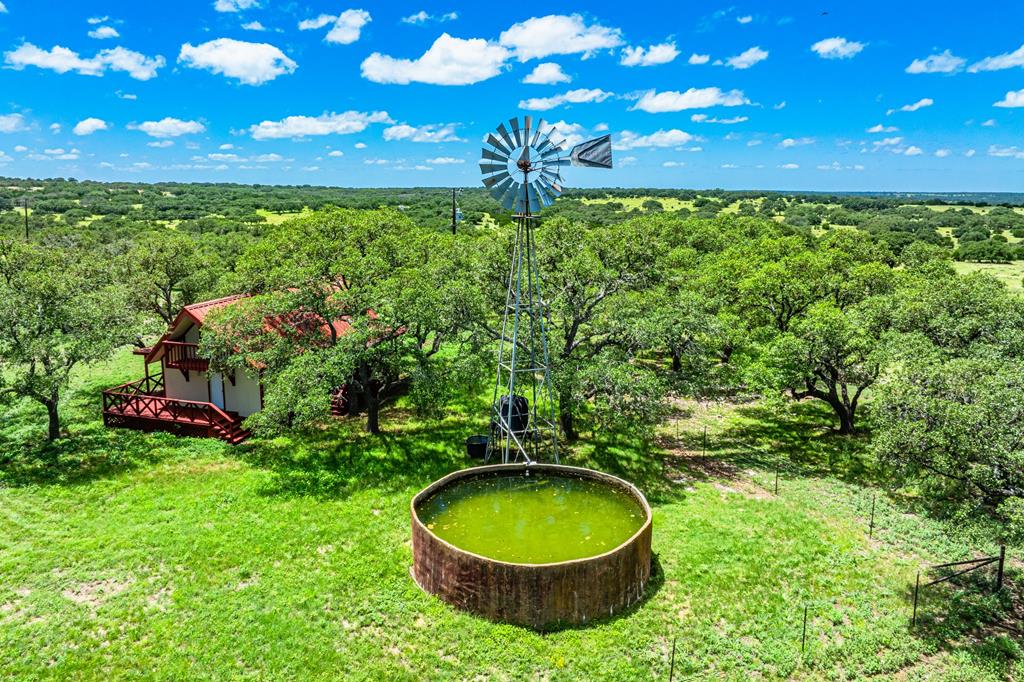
{"type": "Point", "coordinates": [563, 469]}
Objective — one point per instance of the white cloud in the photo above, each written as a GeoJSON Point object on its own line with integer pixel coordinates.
{"type": "Point", "coordinates": [754, 143]}
{"type": "Point", "coordinates": [547, 73]}
{"type": "Point", "coordinates": [913, 151]}
{"type": "Point", "coordinates": [427, 133]}
{"type": "Point", "coordinates": [747, 58]}
{"type": "Point", "coordinates": [376, 162]}
{"type": "Point", "coordinates": [169, 127]}
{"type": "Point", "coordinates": [449, 61]}
{"type": "Point", "coordinates": [674, 164]}
{"type": "Point", "coordinates": [662, 138]}
{"type": "Point", "coordinates": [104, 32]}
{"type": "Point", "coordinates": [254, 26]}
{"type": "Point", "coordinates": [445, 161]}
{"type": "Point", "coordinates": [887, 142]}
{"type": "Point", "coordinates": [699, 58]}
{"type": "Point", "coordinates": [422, 17]}
{"type": "Point", "coordinates": [1012, 100]}
{"type": "Point", "coordinates": [126, 95]}
{"type": "Point", "coordinates": [234, 5]}
{"type": "Point", "coordinates": [789, 166]}
{"type": "Point", "coordinates": [347, 28]}
{"type": "Point", "coordinates": [1005, 152]}
{"type": "Point", "coordinates": [745, 19]}
{"type": "Point", "coordinates": [335, 153]}
{"type": "Point", "coordinates": [89, 126]}
{"type": "Point", "coordinates": [780, 106]}
{"type": "Point", "coordinates": [943, 153]}
{"type": "Point", "coordinates": [360, 145]}
{"type": "Point", "coordinates": [311, 169]}
{"type": "Point", "coordinates": [695, 98]}
{"type": "Point", "coordinates": [92, 21]}
{"type": "Point", "coordinates": [3, 8]}
{"type": "Point", "coordinates": [650, 56]}
{"type": "Point", "coordinates": [326, 124]}
{"type": "Point", "coordinates": [879, 128]}
{"type": "Point", "coordinates": [579, 96]}
{"type": "Point", "coordinates": [226, 146]}
{"type": "Point", "coordinates": [1007, 60]}
{"type": "Point", "coordinates": [12, 123]}
{"type": "Point", "coordinates": [249, 63]}
{"type": "Point", "coordinates": [539, 37]}
{"type": "Point", "coordinates": [571, 133]}
{"type": "Point", "coordinates": [791, 142]}
{"type": "Point", "coordinates": [58, 154]}
{"type": "Point", "coordinates": [836, 166]}
{"type": "Point", "coordinates": [919, 104]}
{"type": "Point", "coordinates": [729, 165]}
{"type": "Point", "coordinates": [837, 48]}
{"type": "Point", "coordinates": [703, 118]}
{"type": "Point", "coordinates": [945, 62]}
{"type": "Point", "coordinates": [21, 148]}
{"type": "Point", "coordinates": [62, 60]}
{"type": "Point", "coordinates": [970, 152]}
{"type": "Point", "coordinates": [55, 128]}
{"type": "Point", "coordinates": [990, 123]}
{"type": "Point", "coordinates": [161, 144]}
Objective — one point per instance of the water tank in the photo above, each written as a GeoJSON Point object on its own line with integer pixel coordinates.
{"type": "Point", "coordinates": [520, 420]}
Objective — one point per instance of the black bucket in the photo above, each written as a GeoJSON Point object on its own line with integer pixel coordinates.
{"type": "Point", "coordinates": [520, 417]}
{"type": "Point", "coordinates": [476, 446]}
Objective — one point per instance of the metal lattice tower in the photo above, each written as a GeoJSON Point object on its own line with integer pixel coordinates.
{"type": "Point", "coordinates": [521, 168]}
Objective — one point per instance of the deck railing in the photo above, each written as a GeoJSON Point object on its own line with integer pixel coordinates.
{"type": "Point", "coordinates": [185, 356]}
{"type": "Point", "coordinates": [145, 399]}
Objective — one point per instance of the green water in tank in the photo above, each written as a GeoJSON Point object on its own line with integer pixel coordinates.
{"type": "Point", "coordinates": [535, 519]}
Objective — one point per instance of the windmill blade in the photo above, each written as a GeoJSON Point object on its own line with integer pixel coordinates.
{"type": "Point", "coordinates": [498, 191]}
{"type": "Point", "coordinates": [537, 133]}
{"type": "Point", "coordinates": [494, 156]}
{"type": "Point", "coordinates": [541, 191]}
{"type": "Point", "coordinates": [527, 123]}
{"type": "Point", "coordinates": [514, 122]}
{"type": "Point", "coordinates": [596, 153]}
{"type": "Point", "coordinates": [503, 131]}
{"type": "Point", "coordinates": [493, 167]}
{"type": "Point", "coordinates": [510, 193]}
{"type": "Point", "coordinates": [496, 143]}
{"type": "Point", "coordinates": [495, 179]}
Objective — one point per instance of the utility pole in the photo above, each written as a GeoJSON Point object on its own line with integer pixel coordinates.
{"type": "Point", "coordinates": [453, 211]}
{"type": "Point", "coordinates": [25, 204]}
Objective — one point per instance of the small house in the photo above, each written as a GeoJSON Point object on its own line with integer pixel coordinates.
{"type": "Point", "coordinates": [181, 394]}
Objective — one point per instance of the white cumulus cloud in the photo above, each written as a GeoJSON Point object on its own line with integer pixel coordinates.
{"type": "Point", "coordinates": [539, 37]}
{"type": "Point", "coordinates": [790, 142]}
{"type": "Point", "coordinates": [547, 73]}
{"type": "Point", "coordinates": [662, 138]}
{"type": "Point", "coordinates": [879, 128]}
{"type": "Point", "coordinates": [649, 56]}
{"type": "Point", "coordinates": [1007, 60]}
{"type": "Point", "coordinates": [699, 58]}
{"type": "Point", "coordinates": [944, 62]}
{"type": "Point", "coordinates": [919, 104]}
{"type": "Point", "coordinates": [347, 26]}
{"type": "Point", "coordinates": [12, 123]}
{"type": "Point", "coordinates": [249, 63]}
{"type": "Point", "coordinates": [580, 96]}
{"type": "Point", "coordinates": [234, 5]}
{"type": "Point", "coordinates": [169, 127]}
{"type": "Point", "coordinates": [89, 126]}
{"type": "Point", "coordinates": [440, 132]}
{"type": "Point", "coordinates": [104, 32]}
{"type": "Point", "coordinates": [837, 48]}
{"type": "Point", "coordinates": [704, 118]}
{"type": "Point", "coordinates": [326, 124]}
{"type": "Point", "coordinates": [654, 102]}
{"type": "Point", "coordinates": [1012, 100]}
{"type": "Point", "coordinates": [449, 61]}
{"type": "Point", "coordinates": [445, 161]}
{"type": "Point", "coordinates": [63, 60]}
{"type": "Point", "coordinates": [747, 58]}
{"type": "Point", "coordinates": [423, 17]}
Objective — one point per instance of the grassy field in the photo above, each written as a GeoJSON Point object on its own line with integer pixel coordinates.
{"type": "Point", "coordinates": [1010, 274]}
{"type": "Point", "coordinates": [126, 555]}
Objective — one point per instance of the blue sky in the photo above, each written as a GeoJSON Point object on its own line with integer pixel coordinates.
{"type": "Point", "coordinates": [883, 96]}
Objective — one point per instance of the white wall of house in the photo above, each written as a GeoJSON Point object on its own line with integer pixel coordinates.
{"type": "Point", "coordinates": [191, 335]}
{"type": "Point", "coordinates": [196, 388]}
{"type": "Point", "coordinates": [244, 396]}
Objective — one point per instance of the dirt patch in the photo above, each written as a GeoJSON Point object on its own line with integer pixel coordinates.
{"type": "Point", "coordinates": [94, 592]}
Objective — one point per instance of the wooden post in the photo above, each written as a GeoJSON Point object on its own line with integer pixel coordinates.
{"type": "Point", "coordinates": [803, 637]}
{"type": "Point", "coordinates": [999, 571]}
{"type": "Point", "coordinates": [871, 527]}
{"type": "Point", "coordinates": [917, 586]}
{"type": "Point", "coordinates": [776, 478]}
{"type": "Point", "coordinates": [25, 204]}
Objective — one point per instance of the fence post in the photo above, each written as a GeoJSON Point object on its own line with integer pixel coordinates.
{"type": "Point", "coordinates": [871, 527]}
{"type": "Point", "coordinates": [999, 571]}
{"type": "Point", "coordinates": [776, 479]}
{"type": "Point", "coordinates": [803, 637]}
{"type": "Point", "coordinates": [704, 446]}
{"type": "Point", "coordinates": [672, 665]}
{"type": "Point", "coordinates": [917, 586]}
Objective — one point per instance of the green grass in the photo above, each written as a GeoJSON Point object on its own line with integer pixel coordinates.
{"type": "Point", "coordinates": [148, 556]}
{"type": "Point", "coordinates": [1010, 274]}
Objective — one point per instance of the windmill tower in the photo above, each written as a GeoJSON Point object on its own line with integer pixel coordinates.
{"type": "Point", "coordinates": [521, 168]}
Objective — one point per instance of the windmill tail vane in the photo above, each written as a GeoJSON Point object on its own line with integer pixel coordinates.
{"type": "Point", "coordinates": [521, 165]}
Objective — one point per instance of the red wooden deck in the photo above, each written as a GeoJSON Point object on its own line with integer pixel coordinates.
{"type": "Point", "coordinates": [143, 405]}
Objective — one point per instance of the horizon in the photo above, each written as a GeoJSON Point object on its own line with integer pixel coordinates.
{"type": "Point", "coordinates": [924, 102]}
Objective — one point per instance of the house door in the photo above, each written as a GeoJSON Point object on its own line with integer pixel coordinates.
{"type": "Point", "coordinates": [217, 389]}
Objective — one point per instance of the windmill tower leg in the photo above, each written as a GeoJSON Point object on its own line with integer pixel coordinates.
{"type": "Point", "coordinates": [522, 420]}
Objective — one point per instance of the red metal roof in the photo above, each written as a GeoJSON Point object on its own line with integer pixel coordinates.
{"type": "Point", "coordinates": [199, 311]}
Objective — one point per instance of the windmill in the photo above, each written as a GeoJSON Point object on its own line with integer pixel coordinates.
{"type": "Point", "coordinates": [521, 167]}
